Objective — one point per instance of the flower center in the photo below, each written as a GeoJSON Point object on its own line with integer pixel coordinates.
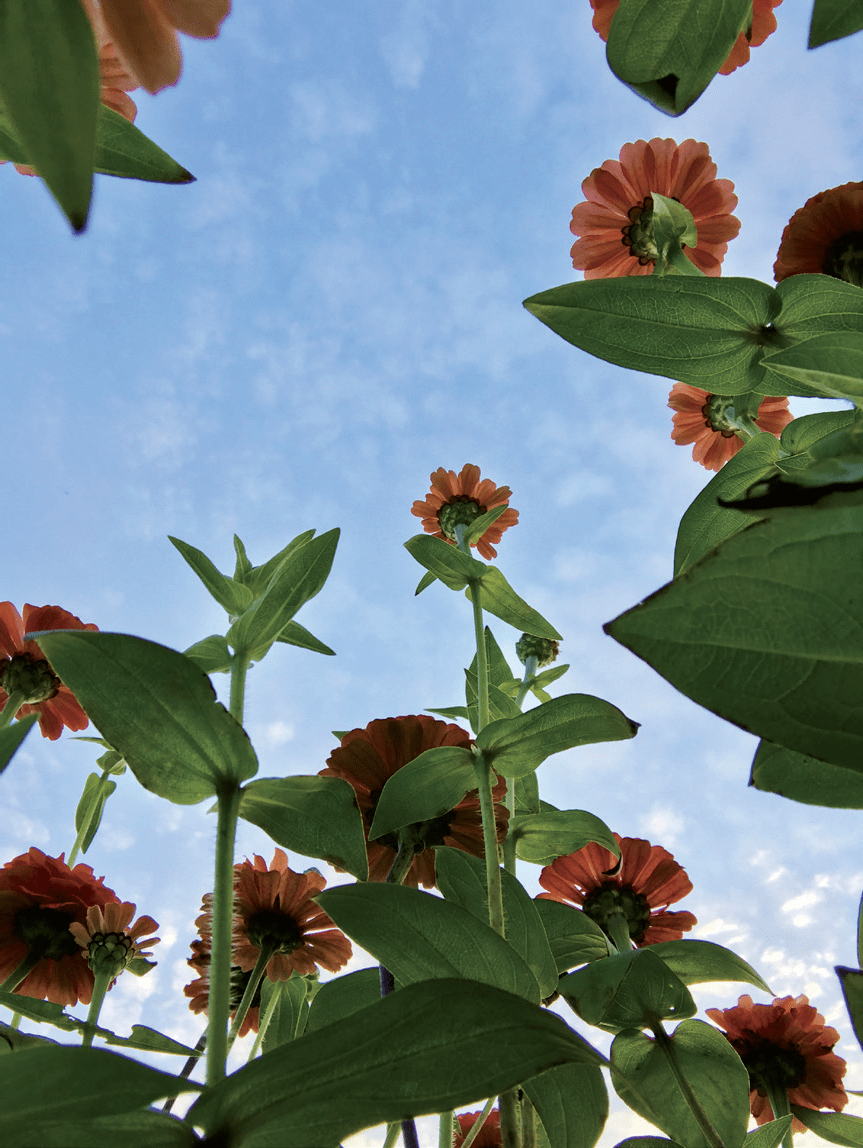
{"type": "Point", "coordinates": [46, 931]}
{"type": "Point", "coordinates": [610, 899]}
{"type": "Point", "coordinates": [269, 927]}
{"type": "Point", "coordinates": [462, 511]}
{"type": "Point", "coordinates": [715, 412]}
{"type": "Point", "coordinates": [843, 259]}
{"type": "Point", "coordinates": [33, 677]}
{"type": "Point", "coordinates": [109, 952]}
{"type": "Point", "coordinates": [638, 234]}
{"type": "Point", "coordinates": [770, 1065]}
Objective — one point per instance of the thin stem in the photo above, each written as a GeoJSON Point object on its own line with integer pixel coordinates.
{"type": "Point", "coordinates": [703, 1120]}
{"type": "Point", "coordinates": [404, 859]}
{"type": "Point", "coordinates": [483, 716]}
{"type": "Point", "coordinates": [477, 1126]}
{"type": "Point", "coordinates": [239, 666]}
{"type": "Point", "coordinates": [445, 1130]}
{"type": "Point", "coordinates": [265, 1019]}
{"type": "Point", "coordinates": [101, 982]}
{"type": "Point", "coordinates": [509, 842]}
{"type": "Point", "coordinates": [393, 1131]}
{"type": "Point", "coordinates": [220, 953]}
{"type": "Point", "coordinates": [781, 1106]}
{"type": "Point", "coordinates": [482, 771]}
{"type": "Point", "coordinates": [398, 871]}
{"type": "Point", "coordinates": [530, 668]}
{"type": "Point", "coordinates": [528, 1123]}
{"type": "Point", "coordinates": [618, 926]}
{"type": "Point", "coordinates": [10, 709]}
{"type": "Point", "coordinates": [261, 963]}
{"type": "Point", "coordinates": [510, 1120]}
{"type": "Point", "coordinates": [16, 978]}
{"type": "Point", "coordinates": [187, 1068]}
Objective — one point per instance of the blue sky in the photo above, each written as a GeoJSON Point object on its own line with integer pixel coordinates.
{"type": "Point", "coordinates": [332, 311]}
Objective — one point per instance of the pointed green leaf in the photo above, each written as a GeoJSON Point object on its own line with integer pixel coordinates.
{"type": "Point", "coordinates": [211, 654]}
{"type": "Point", "coordinates": [296, 635]}
{"type": "Point", "coordinates": [410, 1065]}
{"type": "Point", "coordinates": [243, 566]}
{"type": "Point", "coordinates": [627, 990]}
{"type": "Point", "coordinates": [498, 598]}
{"type": "Point", "coordinates": [768, 1135]}
{"type": "Point", "coordinates": [479, 526]}
{"type": "Point", "coordinates": [574, 938]}
{"type": "Point", "coordinates": [710, 1065]}
{"type": "Point", "coordinates": [834, 19]}
{"type": "Point", "coordinates": [40, 1011]}
{"type": "Point", "coordinates": [426, 788]}
{"type": "Point", "coordinates": [290, 1012]}
{"type": "Point", "coordinates": [829, 365]}
{"type": "Point", "coordinates": [300, 577]}
{"type": "Point", "coordinates": [425, 582]}
{"type": "Point", "coordinates": [231, 596]}
{"type": "Point", "coordinates": [705, 523]}
{"type": "Point", "coordinates": [157, 708]}
{"type": "Point", "coordinates": [541, 837]}
{"type": "Point", "coordinates": [450, 712]}
{"type": "Point", "coordinates": [12, 736]}
{"type": "Point", "coordinates": [150, 1040]}
{"type": "Point", "coordinates": [97, 790]}
{"type": "Point", "coordinates": [342, 996]}
{"type": "Point", "coordinates": [421, 937]}
{"type": "Point", "coordinates": [697, 962]}
{"type": "Point", "coordinates": [765, 631]}
{"type": "Point", "coordinates": [462, 880]}
{"type": "Point", "coordinates": [516, 746]}
{"type": "Point", "coordinates": [49, 86]}
{"type": "Point", "coordinates": [833, 1126]}
{"type": "Point", "coordinates": [314, 816]}
{"type": "Point", "coordinates": [572, 1103]}
{"type": "Point", "coordinates": [805, 779]}
{"type": "Point", "coordinates": [527, 794]}
{"type": "Point", "coordinates": [444, 560]}
{"type": "Point", "coordinates": [801, 435]}
{"type": "Point", "coordinates": [851, 981]}
{"type": "Point", "coordinates": [259, 577]}
{"type": "Point", "coordinates": [123, 150]}
{"type": "Point", "coordinates": [669, 50]}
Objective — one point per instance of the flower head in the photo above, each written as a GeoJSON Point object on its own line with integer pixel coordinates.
{"type": "Point", "coordinates": [23, 666]}
{"type": "Point", "coordinates": [40, 899]}
{"type": "Point", "coordinates": [460, 498]}
{"type": "Point", "coordinates": [825, 236]}
{"type": "Point", "coordinates": [615, 222]}
{"type": "Point", "coordinates": [785, 1045]}
{"type": "Point", "coordinates": [647, 881]}
{"type": "Point", "coordinates": [368, 758]}
{"type": "Point", "coordinates": [145, 32]}
{"type": "Point", "coordinates": [763, 23]}
{"type": "Point", "coordinates": [700, 419]}
{"type": "Point", "coordinates": [108, 942]}
{"type": "Point", "coordinates": [489, 1135]}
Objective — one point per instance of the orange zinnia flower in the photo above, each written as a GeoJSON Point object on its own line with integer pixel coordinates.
{"type": "Point", "coordinates": [145, 32]}
{"type": "Point", "coordinates": [199, 990]}
{"type": "Point", "coordinates": [368, 757]}
{"type": "Point", "coordinates": [785, 1045]}
{"type": "Point", "coordinates": [613, 242]}
{"type": "Point", "coordinates": [699, 420]}
{"type": "Point", "coordinates": [489, 1135]}
{"type": "Point", "coordinates": [763, 23]}
{"type": "Point", "coordinates": [107, 939]}
{"type": "Point", "coordinates": [825, 236]}
{"type": "Point", "coordinates": [460, 498]}
{"type": "Point", "coordinates": [40, 899]}
{"type": "Point", "coordinates": [646, 883]}
{"type": "Point", "coordinates": [23, 667]}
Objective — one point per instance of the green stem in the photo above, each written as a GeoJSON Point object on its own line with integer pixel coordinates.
{"type": "Point", "coordinates": [482, 770]}
{"type": "Point", "coordinates": [618, 926]}
{"type": "Point", "coordinates": [186, 1071]}
{"type": "Point", "coordinates": [393, 1131]}
{"type": "Point", "coordinates": [781, 1106]}
{"type": "Point", "coordinates": [239, 666]}
{"type": "Point", "coordinates": [483, 715]}
{"type": "Point", "coordinates": [477, 1126]}
{"type": "Point", "coordinates": [665, 1043]}
{"type": "Point", "coordinates": [10, 709]}
{"type": "Point", "coordinates": [265, 1019]}
{"type": "Point", "coordinates": [446, 1129]}
{"type": "Point", "coordinates": [220, 955]}
{"type": "Point", "coordinates": [20, 974]}
{"type": "Point", "coordinates": [403, 860]}
{"type": "Point", "coordinates": [530, 668]}
{"type": "Point", "coordinates": [100, 987]}
{"type": "Point", "coordinates": [509, 843]}
{"type": "Point", "coordinates": [261, 963]}
{"type": "Point", "coordinates": [16, 1020]}
{"type": "Point", "coordinates": [510, 1120]}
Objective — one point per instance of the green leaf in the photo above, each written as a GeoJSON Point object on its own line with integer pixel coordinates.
{"type": "Point", "coordinates": [12, 736]}
{"type": "Point", "coordinates": [123, 150]}
{"type": "Point", "coordinates": [425, 582]}
{"type": "Point", "coordinates": [314, 816]}
{"type": "Point", "coordinates": [816, 304]}
{"type": "Point", "coordinates": [768, 1135]}
{"type": "Point", "coordinates": [410, 1065]}
{"type": "Point", "coordinates": [527, 798]}
{"type": "Point", "coordinates": [647, 1142]}
{"type": "Point", "coordinates": [803, 433]}
{"type": "Point", "coordinates": [479, 526]}
{"type": "Point", "coordinates": [517, 746]}
{"type": "Point", "coordinates": [258, 578]}
{"type": "Point", "coordinates": [157, 709]}
{"type": "Point", "coordinates": [705, 523]}
{"type": "Point", "coordinates": [828, 365]}
{"type": "Point", "coordinates": [498, 598]}
{"type": "Point", "coordinates": [343, 996]}
{"type": "Point", "coordinates": [211, 654]}
{"type": "Point", "coordinates": [231, 596]}
{"type": "Point", "coordinates": [150, 1040]}
{"type": "Point", "coordinates": [291, 1011]}
{"type": "Point", "coordinates": [70, 1084]}
{"type": "Point", "coordinates": [444, 560]}
{"type": "Point", "coordinates": [420, 937]}
{"type": "Point", "coordinates": [49, 85]}
{"type": "Point", "coordinates": [627, 990]}
{"type": "Point", "coordinates": [12, 1039]}
{"type": "Point", "coordinates": [805, 779]}
{"type": "Point", "coordinates": [708, 332]}
{"type": "Point", "coordinates": [672, 223]}
{"type": "Point", "coordinates": [426, 788]}
{"type": "Point", "coordinates": [710, 1065]}
{"type": "Point", "coordinates": [40, 1011]}
{"type": "Point", "coordinates": [243, 567]}
{"type": "Point", "coordinates": [765, 631]}
{"type": "Point", "coordinates": [833, 1126]}
{"type": "Point", "coordinates": [300, 577]}
{"type": "Point", "coordinates": [834, 19]}
{"type": "Point", "coordinates": [462, 880]}
{"type": "Point", "coordinates": [698, 962]}
{"type": "Point", "coordinates": [133, 1130]}
{"type": "Point", "coordinates": [574, 938]}
{"type": "Point", "coordinates": [668, 51]}
{"type": "Point", "coordinates": [851, 981]}
{"type": "Point", "coordinates": [97, 790]}
{"type": "Point", "coordinates": [296, 635]}
{"type": "Point", "coordinates": [572, 1103]}
{"type": "Point", "coordinates": [541, 837]}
